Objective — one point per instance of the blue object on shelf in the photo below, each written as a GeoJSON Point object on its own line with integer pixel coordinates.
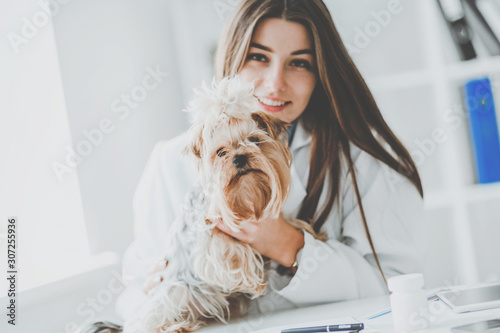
{"type": "Point", "coordinates": [484, 130]}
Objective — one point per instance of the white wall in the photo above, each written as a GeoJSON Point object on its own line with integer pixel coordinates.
{"type": "Point", "coordinates": [106, 49]}
{"type": "Point", "coordinates": [62, 87]}
{"type": "Point", "coordinates": [34, 129]}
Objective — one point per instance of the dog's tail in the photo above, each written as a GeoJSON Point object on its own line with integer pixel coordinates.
{"type": "Point", "coordinates": [101, 327]}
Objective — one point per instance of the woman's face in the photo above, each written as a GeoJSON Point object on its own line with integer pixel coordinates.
{"type": "Point", "coordinates": [281, 61]}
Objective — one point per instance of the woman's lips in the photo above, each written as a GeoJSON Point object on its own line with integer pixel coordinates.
{"type": "Point", "coordinates": [271, 108]}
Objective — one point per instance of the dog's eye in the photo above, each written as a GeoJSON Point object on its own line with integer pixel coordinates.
{"type": "Point", "coordinates": [221, 152]}
{"type": "Point", "coordinates": [254, 140]}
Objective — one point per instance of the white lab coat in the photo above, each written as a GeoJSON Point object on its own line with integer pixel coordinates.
{"type": "Point", "coordinates": [341, 268]}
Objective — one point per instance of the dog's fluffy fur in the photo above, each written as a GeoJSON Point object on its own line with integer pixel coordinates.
{"type": "Point", "coordinates": [244, 166]}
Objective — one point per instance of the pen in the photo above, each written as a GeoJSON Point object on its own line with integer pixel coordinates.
{"type": "Point", "coordinates": [329, 328]}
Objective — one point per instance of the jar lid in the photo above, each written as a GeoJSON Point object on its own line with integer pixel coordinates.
{"type": "Point", "coordinates": [406, 282]}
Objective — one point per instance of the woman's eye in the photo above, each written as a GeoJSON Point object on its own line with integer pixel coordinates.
{"type": "Point", "coordinates": [256, 56]}
{"type": "Point", "coordinates": [301, 63]}
{"type": "Point", "coordinates": [254, 140]}
{"type": "Point", "coordinates": [221, 152]}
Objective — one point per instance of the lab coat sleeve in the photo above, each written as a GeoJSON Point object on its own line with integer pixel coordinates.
{"type": "Point", "coordinates": [343, 267]}
{"type": "Point", "coordinates": [156, 202]}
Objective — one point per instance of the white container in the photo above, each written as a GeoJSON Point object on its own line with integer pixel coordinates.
{"type": "Point", "coordinates": [410, 311]}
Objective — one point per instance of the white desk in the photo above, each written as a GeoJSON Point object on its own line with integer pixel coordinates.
{"type": "Point", "coordinates": [62, 306]}
{"type": "Point", "coordinates": [58, 307]}
{"type": "Point", "coordinates": [442, 318]}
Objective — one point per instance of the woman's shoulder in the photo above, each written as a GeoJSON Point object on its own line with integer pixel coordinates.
{"type": "Point", "coordinates": [171, 147]}
{"type": "Point", "coordinates": [167, 156]}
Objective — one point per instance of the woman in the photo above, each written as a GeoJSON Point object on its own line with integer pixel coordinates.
{"type": "Point", "coordinates": [344, 161]}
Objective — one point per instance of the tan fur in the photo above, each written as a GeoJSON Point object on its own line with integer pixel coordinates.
{"type": "Point", "coordinates": [229, 272]}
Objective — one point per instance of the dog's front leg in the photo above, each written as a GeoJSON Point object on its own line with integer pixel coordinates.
{"type": "Point", "coordinates": [230, 264]}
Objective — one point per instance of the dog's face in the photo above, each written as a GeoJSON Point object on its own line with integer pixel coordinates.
{"type": "Point", "coordinates": [244, 165]}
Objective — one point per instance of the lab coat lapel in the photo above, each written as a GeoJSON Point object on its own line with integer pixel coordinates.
{"type": "Point", "coordinates": [300, 138]}
{"type": "Point", "coordinates": [298, 191]}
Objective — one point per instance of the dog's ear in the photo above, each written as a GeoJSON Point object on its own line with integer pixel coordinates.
{"type": "Point", "coordinates": [195, 142]}
{"type": "Point", "coordinates": [273, 126]}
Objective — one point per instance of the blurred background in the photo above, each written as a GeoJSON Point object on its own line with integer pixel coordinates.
{"type": "Point", "coordinates": [88, 87]}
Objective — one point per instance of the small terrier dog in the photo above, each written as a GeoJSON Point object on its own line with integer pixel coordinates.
{"type": "Point", "coordinates": [244, 165]}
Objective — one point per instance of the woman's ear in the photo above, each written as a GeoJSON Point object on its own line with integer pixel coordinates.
{"type": "Point", "coordinates": [273, 126]}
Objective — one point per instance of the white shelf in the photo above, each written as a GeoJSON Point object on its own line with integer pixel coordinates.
{"type": "Point", "coordinates": [473, 68]}
{"type": "Point", "coordinates": [465, 195]}
{"type": "Point", "coordinates": [432, 91]}
{"type": "Point", "coordinates": [482, 192]}
{"type": "Point", "coordinates": [453, 72]}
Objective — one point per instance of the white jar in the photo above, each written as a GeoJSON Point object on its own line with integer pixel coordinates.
{"type": "Point", "coordinates": [410, 311]}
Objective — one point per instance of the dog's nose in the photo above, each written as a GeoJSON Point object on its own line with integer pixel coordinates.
{"type": "Point", "coordinates": [240, 161]}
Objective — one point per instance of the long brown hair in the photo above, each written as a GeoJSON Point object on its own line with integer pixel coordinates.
{"type": "Point", "coordinates": [341, 110]}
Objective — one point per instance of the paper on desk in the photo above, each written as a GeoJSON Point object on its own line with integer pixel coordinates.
{"type": "Point", "coordinates": [332, 321]}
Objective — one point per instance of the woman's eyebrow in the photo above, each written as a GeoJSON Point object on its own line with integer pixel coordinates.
{"type": "Point", "coordinates": [268, 49]}
{"type": "Point", "coordinates": [262, 47]}
{"type": "Point", "coordinates": [304, 51]}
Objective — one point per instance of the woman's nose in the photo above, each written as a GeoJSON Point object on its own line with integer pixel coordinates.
{"type": "Point", "coordinates": [275, 79]}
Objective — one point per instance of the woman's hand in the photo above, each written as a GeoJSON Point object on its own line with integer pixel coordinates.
{"type": "Point", "coordinates": [272, 238]}
{"type": "Point", "coordinates": [154, 280]}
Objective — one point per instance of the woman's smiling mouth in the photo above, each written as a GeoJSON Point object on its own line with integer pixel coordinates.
{"type": "Point", "coordinates": [272, 104]}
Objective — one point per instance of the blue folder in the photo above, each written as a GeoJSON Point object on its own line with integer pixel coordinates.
{"type": "Point", "coordinates": [484, 130]}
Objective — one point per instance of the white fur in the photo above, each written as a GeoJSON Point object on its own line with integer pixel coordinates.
{"type": "Point", "coordinates": [208, 269]}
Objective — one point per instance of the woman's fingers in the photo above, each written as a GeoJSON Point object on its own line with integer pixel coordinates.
{"type": "Point", "coordinates": [151, 283]}
{"type": "Point", "coordinates": [158, 267]}
{"type": "Point", "coordinates": [224, 228]}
